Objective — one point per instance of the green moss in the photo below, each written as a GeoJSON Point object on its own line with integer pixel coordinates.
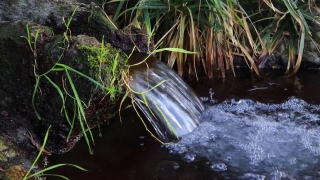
{"type": "Point", "coordinates": [99, 16]}
{"type": "Point", "coordinates": [11, 153]}
{"type": "Point", "coordinates": [72, 39]}
{"type": "Point", "coordinates": [3, 144]}
{"type": "Point", "coordinates": [97, 55]}
{"type": "Point", "coordinates": [106, 64]}
{"type": "Point", "coordinates": [15, 31]}
{"type": "Point", "coordinates": [3, 157]}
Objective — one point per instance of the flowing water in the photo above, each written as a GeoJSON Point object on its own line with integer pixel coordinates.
{"type": "Point", "coordinates": [252, 128]}
{"type": "Point", "coordinates": [168, 102]}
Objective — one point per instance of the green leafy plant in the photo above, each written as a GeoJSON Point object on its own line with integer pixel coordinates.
{"type": "Point", "coordinates": [59, 67]}
{"type": "Point", "coordinates": [67, 25]}
{"type": "Point", "coordinates": [32, 44]}
{"type": "Point", "coordinates": [79, 105]}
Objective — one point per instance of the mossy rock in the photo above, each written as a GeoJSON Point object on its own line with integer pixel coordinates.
{"type": "Point", "coordinates": [105, 62]}
{"type": "Point", "coordinates": [3, 157]}
{"type": "Point", "coordinates": [16, 173]}
{"type": "Point", "coordinates": [3, 144]}
{"type": "Point", "coordinates": [11, 153]}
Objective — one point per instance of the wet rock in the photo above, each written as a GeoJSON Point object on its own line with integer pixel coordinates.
{"type": "Point", "coordinates": [310, 57]}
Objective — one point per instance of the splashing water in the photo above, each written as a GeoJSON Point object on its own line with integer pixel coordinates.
{"type": "Point", "coordinates": [175, 107]}
{"type": "Point", "coordinates": [251, 140]}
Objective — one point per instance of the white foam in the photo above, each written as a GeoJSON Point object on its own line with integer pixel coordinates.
{"type": "Point", "coordinates": [261, 140]}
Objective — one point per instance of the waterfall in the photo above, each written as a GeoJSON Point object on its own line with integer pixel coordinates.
{"type": "Point", "coordinates": [172, 107]}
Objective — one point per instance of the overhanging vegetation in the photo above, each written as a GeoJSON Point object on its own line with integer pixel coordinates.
{"type": "Point", "coordinates": [220, 30]}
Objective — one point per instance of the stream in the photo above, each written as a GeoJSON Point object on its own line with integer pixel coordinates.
{"type": "Point", "coordinates": [252, 128]}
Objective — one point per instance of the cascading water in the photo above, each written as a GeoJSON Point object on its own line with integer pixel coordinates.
{"type": "Point", "coordinates": [172, 107]}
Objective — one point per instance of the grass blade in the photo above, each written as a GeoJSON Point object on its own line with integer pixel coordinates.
{"type": "Point", "coordinates": [38, 156]}
{"type": "Point", "coordinates": [36, 86]}
{"type": "Point", "coordinates": [81, 114]}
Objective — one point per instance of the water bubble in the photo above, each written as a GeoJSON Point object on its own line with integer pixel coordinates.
{"type": "Point", "coordinates": [303, 166]}
{"type": "Point", "coordinates": [249, 101]}
{"type": "Point", "coordinates": [176, 166]}
{"type": "Point", "coordinates": [278, 175]}
{"type": "Point", "coordinates": [252, 176]}
{"type": "Point", "coordinates": [217, 167]}
{"type": "Point", "coordinates": [234, 101]}
{"type": "Point", "coordinates": [189, 157]}
{"type": "Point", "coordinates": [307, 178]}
{"type": "Point", "coordinates": [293, 161]}
{"type": "Point", "coordinates": [168, 146]}
{"type": "Point", "coordinates": [228, 158]}
{"type": "Point", "coordinates": [204, 99]}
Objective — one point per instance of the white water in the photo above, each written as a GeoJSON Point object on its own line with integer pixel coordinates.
{"type": "Point", "coordinates": [247, 140]}
{"type": "Point", "coordinates": [171, 102]}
